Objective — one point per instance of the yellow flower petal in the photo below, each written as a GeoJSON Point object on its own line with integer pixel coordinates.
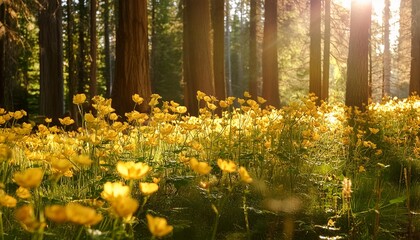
{"type": "Point", "coordinates": [158, 226]}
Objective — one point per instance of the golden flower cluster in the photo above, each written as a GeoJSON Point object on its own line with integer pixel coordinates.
{"type": "Point", "coordinates": [74, 213]}
{"type": "Point", "coordinates": [249, 134]}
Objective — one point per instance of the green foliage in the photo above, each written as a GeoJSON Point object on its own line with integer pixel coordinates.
{"type": "Point", "coordinates": [166, 49]}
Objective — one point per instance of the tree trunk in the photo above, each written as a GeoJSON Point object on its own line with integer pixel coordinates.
{"type": "Point", "coordinates": [228, 62]}
{"type": "Point", "coordinates": [51, 59]}
{"type": "Point", "coordinates": [315, 49]}
{"type": "Point", "coordinates": [71, 80]}
{"type": "Point", "coordinates": [269, 56]}
{"type": "Point", "coordinates": [326, 60]}
{"type": "Point", "coordinates": [415, 48]}
{"type": "Point", "coordinates": [219, 51]}
{"type": "Point", "coordinates": [81, 58]}
{"type": "Point", "coordinates": [386, 90]}
{"type": "Point", "coordinates": [2, 62]}
{"type": "Point", "coordinates": [253, 60]}
{"type": "Point", "coordinates": [357, 89]}
{"type": "Point", "coordinates": [132, 59]}
{"type": "Point", "coordinates": [107, 50]}
{"type": "Point", "coordinates": [198, 68]}
{"type": "Point", "coordinates": [93, 51]}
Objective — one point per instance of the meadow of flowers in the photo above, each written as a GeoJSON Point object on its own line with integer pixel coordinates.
{"type": "Point", "coordinates": [239, 170]}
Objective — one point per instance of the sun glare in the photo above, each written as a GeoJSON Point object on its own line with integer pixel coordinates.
{"type": "Point", "coordinates": [377, 5]}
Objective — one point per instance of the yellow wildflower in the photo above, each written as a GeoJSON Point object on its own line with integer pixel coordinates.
{"type": "Point", "coordinates": [223, 104]}
{"type": "Point", "coordinates": [158, 226]}
{"type": "Point", "coordinates": [7, 200]}
{"type": "Point", "coordinates": [5, 153]}
{"type": "Point", "coordinates": [114, 190]}
{"type": "Point", "coordinates": [244, 175]}
{"type": "Point", "coordinates": [226, 166]}
{"type": "Point", "coordinates": [267, 144]}
{"type": "Point", "coordinates": [113, 117]}
{"type": "Point", "coordinates": [60, 164]}
{"type": "Point", "coordinates": [82, 215]}
{"type": "Point", "coordinates": [202, 168]}
{"type": "Point", "coordinates": [132, 170]}
{"type": "Point", "coordinates": [154, 100]}
{"type": "Point", "coordinates": [83, 160]}
{"type": "Point", "coordinates": [137, 99]}
{"type": "Point", "coordinates": [26, 216]}
{"type": "Point", "coordinates": [79, 98]}
{"type": "Point", "coordinates": [19, 114]}
{"type": "Point", "coordinates": [174, 104]}
{"type": "Point", "coordinates": [211, 106]}
{"type": "Point", "coordinates": [148, 188]}
{"type": "Point", "coordinates": [181, 109]}
{"type": "Point", "coordinates": [261, 100]}
{"type": "Point", "coordinates": [125, 206]}
{"type": "Point", "coordinates": [89, 117]}
{"type": "Point", "coordinates": [331, 223]}
{"type": "Point", "coordinates": [23, 193]}
{"type": "Point", "coordinates": [29, 178]}
{"type": "Point", "coordinates": [56, 213]}
{"type": "Point", "coordinates": [374, 130]}
{"type": "Point", "coordinates": [66, 121]}
{"type": "Point", "coordinates": [200, 95]}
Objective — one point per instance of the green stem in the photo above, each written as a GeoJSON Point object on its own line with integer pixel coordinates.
{"type": "Point", "coordinates": [215, 225]}
{"type": "Point", "coordinates": [79, 234]}
{"type": "Point", "coordinates": [248, 232]}
{"type": "Point", "coordinates": [114, 227]}
{"type": "Point", "coordinates": [1, 226]}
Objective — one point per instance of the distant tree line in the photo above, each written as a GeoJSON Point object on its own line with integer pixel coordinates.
{"type": "Point", "coordinates": [53, 49]}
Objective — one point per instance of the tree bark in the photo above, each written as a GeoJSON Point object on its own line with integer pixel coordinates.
{"type": "Point", "coordinates": [315, 84]}
{"type": "Point", "coordinates": [357, 88]}
{"type": "Point", "coordinates": [219, 51]}
{"type": "Point", "coordinates": [228, 62]}
{"type": "Point", "coordinates": [198, 65]}
{"type": "Point", "coordinates": [71, 80]}
{"type": "Point", "coordinates": [51, 59]}
{"type": "Point", "coordinates": [81, 57]}
{"type": "Point", "coordinates": [2, 62]}
{"type": "Point", "coordinates": [93, 51]}
{"type": "Point", "coordinates": [132, 57]}
{"type": "Point", "coordinates": [269, 55]}
{"type": "Point", "coordinates": [415, 48]}
{"type": "Point", "coordinates": [107, 51]}
{"type": "Point", "coordinates": [326, 60]}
